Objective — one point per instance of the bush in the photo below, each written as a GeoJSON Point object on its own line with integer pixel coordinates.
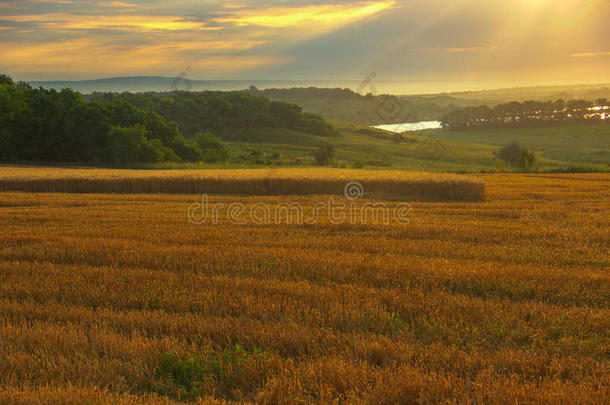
{"type": "Point", "coordinates": [517, 156]}
{"type": "Point", "coordinates": [324, 155]}
{"type": "Point", "coordinates": [214, 150]}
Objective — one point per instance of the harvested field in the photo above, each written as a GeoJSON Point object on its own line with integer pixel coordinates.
{"type": "Point", "coordinates": [120, 299]}
{"type": "Point", "coordinates": [376, 184]}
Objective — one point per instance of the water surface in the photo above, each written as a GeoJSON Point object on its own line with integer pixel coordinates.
{"type": "Point", "coordinates": [410, 126]}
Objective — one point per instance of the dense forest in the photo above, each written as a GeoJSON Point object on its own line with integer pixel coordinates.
{"type": "Point", "coordinates": [529, 114]}
{"type": "Point", "coordinates": [221, 112]}
{"type": "Point", "coordinates": [62, 126]}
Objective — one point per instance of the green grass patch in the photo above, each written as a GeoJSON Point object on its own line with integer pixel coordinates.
{"type": "Point", "coordinates": [233, 374]}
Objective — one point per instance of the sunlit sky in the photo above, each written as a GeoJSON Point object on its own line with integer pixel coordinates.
{"type": "Point", "coordinates": [458, 43]}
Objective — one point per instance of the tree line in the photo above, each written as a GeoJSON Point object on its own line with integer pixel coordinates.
{"type": "Point", "coordinates": [304, 92]}
{"type": "Point", "coordinates": [44, 125]}
{"type": "Point", "coordinates": [529, 114]}
{"type": "Point", "coordinates": [221, 112]}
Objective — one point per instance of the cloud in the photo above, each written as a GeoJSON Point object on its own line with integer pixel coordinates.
{"type": "Point", "coordinates": [235, 5]}
{"type": "Point", "coordinates": [221, 38]}
{"type": "Point", "coordinates": [589, 54]}
{"type": "Point", "coordinates": [51, 1]}
{"type": "Point", "coordinates": [413, 40]}
{"type": "Point", "coordinates": [65, 21]}
{"type": "Point", "coordinates": [282, 17]}
{"type": "Point", "coordinates": [98, 57]}
{"type": "Point", "coordinates": [117, 4]}
{"type": "Point", "coordinates": [462, 50]}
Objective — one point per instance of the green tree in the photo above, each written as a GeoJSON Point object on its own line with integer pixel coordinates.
{"type": "Point", "coordinates": [324, 155]}
{"type": "Point", "coordinates": [6, 79]}
{"type": "Point", "coordinates": [128, 145]}
{"type": "Point", "coordinates": [188, 151]}
{"type": "Point", "coordinates": [517, 156]}
{"type": "Point", "coordinates": [87, 130]}
{"type": "Point", "coordinates": [213, 148]}
{"type": "Point", "coordinates": [12, 104]}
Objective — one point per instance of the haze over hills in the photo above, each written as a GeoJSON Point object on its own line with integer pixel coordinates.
{"type": "Point", "coordinates": [346, 101]}
{"type": "Point", "coordinates": [182, 82]}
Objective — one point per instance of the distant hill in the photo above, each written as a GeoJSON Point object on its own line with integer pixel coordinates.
{"type": "Point", "coordinates": [112, 84]}
{"type": "Point", "coordinates": [330, 102]}
{"type": "Point", "coordinates": [346, 105]}
{"type": "Point", "coordinates": [538, 93]}
{"type": "Point", "coordinates": [287, 89]}
{"type": "Point", "coordinates": [143, 84]}
{"type": "Point", "coordinates": [333, 100]}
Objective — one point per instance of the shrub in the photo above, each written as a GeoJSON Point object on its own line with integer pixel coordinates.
{"type": "Point", "coordinates": [212, 147]}
{"type": "Point", "coordinates": [324, 155]}
{"type": "Point", "coordinates": [517, 156]}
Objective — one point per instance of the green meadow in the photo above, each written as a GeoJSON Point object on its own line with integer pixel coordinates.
{"type": "Point", "coordinates": [574, 148]}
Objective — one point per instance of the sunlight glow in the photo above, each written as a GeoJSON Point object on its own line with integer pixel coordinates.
{"type": "Point", "coordinates": [465, 42]}
{"type": "Point", "coordinates": [589, 54]}
{"type": "Point", "coordinates": [319, 14]}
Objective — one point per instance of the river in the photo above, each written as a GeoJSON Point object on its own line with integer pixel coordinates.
{"type": "Point", "coordinates": [410, 126]}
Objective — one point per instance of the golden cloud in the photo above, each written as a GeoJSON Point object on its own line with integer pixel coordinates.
{"type": "Point", "coordinates": [461, 50]}
{"type": "Point", "coordinates": [589, 54]}
{"type": "Point", "coordinates": [52, 1]}
{"type": "Point", "coordinates": [116, 4]}
{"type": "Point", "coordinates": [235, 5]}
{"type": "Point", "coordinates": [171, 39]}
{"type": "Point", "coordinates": [97, 57]}
{"type": "Point", "coordinates": [328, 14]}
{"type": "Point", "coordinates": [114, 22]}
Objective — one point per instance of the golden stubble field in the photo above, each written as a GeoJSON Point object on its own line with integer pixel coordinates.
{"type": "Point", "coordinates": [270, 181]}
{"type": "Point", "coordinates": [119, 298]}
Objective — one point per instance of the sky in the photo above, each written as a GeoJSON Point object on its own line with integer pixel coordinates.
{"type": "Point", "coordinates": [445, 44]}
